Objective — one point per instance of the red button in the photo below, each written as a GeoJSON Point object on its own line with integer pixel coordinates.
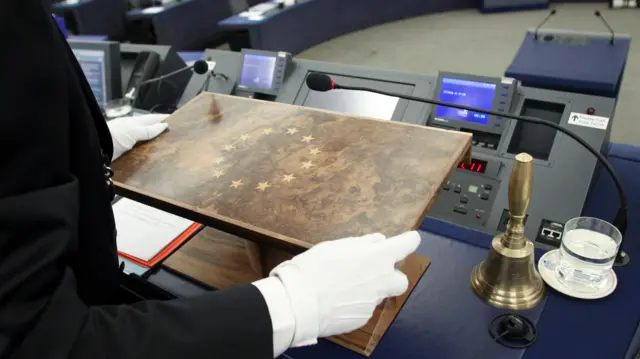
{"type": "Point", "coordinates": [591, 111]}
{"type": "Point", "coordinates": [478, 214]}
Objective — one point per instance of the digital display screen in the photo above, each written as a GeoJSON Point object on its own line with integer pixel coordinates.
{"type": "Point", "coordinates": [467, 93]}
{"type": "Point", "coordinates": [93, 66]}
{"type": "Point", "coordinates": [258, 71]}
{"type": "Point", "coordinates": [478, 166]}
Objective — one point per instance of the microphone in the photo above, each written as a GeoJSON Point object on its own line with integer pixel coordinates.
{"type": "Point", "coordinates": [613, 34]}
{"type": "Point", "coordinates": [322, 82]}
{"type": "Point", "coordinates": [124, 106]}
{"type": "Point", "coordinates": [200, 67]}
{"type": "Point", "coordinates": [535, 35]}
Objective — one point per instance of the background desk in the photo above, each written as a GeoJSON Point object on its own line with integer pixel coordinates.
{"type": "Point", "coordinates": [185, 25]}
{"type": "Point", "coordinates": [442, 319]}
{"type": "Point", "coordinates": [312, 22]}
{"type": "Point", "coordinates": [93, 17]}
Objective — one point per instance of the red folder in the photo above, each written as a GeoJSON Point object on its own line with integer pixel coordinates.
{"type": "Point", "coordinates": [167, 250]}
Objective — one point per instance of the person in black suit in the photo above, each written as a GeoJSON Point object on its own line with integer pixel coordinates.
{"type": "Point", "coordinates": [58, 260]}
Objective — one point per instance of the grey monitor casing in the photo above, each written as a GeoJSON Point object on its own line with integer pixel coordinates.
{"type": "Point", "coordinates": [111, 51]}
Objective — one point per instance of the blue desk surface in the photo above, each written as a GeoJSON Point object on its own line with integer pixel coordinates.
{"type": "Point", "coordinates": [594, 67]}
{"type": "Point", "coordinates": [443, 319]}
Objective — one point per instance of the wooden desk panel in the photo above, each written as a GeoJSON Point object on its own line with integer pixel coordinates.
{"type": "Point", "coordinates": [290, 175]}
{"type": "Point", "coordinates": [214, 258]}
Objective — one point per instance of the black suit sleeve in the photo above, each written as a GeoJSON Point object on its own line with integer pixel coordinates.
{"type": "Point", "coordinates": [42, 314]}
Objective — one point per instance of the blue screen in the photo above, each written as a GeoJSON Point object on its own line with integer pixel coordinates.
{"type": "Point", "coordinates": [93, 66]}
{"type": "Point", "coordinates": [257, 71]}
{"type": "Point", "coordinates": [467, 93]}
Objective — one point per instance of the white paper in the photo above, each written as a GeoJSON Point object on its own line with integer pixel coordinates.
{"type": "Point", "coordinates": [153, 10]}
{"type": "Point", "coordinates": [257, 12]}
{"type": "Point", "coordinates": [625, 4]}
{"type": "Point", "coordinates": [144, 231]}
{"type": "Point", "coordinates": [255, 17]}
{"type": "Point", "coordinates": [584, 120]}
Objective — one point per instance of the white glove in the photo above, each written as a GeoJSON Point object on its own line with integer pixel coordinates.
{"type": "Point", "coordinates": [334, 287]}
{"type": "Point", "coordinates": [127, 131]}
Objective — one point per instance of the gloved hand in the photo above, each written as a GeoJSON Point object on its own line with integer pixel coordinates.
{"type": "Point", "coordinates": [127, 131]}
{"type": "Point", "coordinates": [334, 287]}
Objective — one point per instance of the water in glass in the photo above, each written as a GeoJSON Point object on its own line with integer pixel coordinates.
{"type": "Point", "coordinates": [586, 256]}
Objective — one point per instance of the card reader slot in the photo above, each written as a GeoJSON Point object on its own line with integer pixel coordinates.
{"type": "Point", "coordinates": [481, 139]}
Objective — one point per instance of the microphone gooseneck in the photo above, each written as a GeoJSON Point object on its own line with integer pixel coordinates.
{"type": "Point", "coordinates": [323, 82]}
{"type": "Point", "coordinates": [535, 35]}
{"type": "Point", "coordinates": [613, 34]}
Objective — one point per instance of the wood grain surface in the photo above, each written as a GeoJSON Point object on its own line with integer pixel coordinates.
{"type": "Point", "coordinates": [214, 258]}
{"type": "Point", "coordinates": [289, 174]}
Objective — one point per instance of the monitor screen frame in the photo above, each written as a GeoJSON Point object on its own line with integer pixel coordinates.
{"type": "Point", "coordinates": [113, 76]}
{"type": "Point", "coordinates": [276, 80]}
{"type": "Point", "coordinates": [502, 100]}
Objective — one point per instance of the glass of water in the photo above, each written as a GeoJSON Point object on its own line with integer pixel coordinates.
{"type": "Point", "coordinates": [587, 252]}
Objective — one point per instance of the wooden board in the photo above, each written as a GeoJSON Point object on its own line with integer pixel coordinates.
{"type": "Point", "coordinates": [288, 176]}
{"type": "Point", "coordinates": [220, 260]}
{"type": "Point", "coordinates": [214, 258]}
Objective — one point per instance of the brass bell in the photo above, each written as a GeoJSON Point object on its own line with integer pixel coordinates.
{"type": "Point", "coordinates": [508, 277]}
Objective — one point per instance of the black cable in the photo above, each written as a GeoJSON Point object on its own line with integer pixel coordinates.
{"type": "Point", "coordinates": [205, 84]}
{"type": "Point", "coordinates": [486, 346]}
{"type": "Point", "coordinates": [620, 220]}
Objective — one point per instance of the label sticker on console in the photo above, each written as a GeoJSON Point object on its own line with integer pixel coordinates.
{"type": "Point", "coordinates": [581, 119]}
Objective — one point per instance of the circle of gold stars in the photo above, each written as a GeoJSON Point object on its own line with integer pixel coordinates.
{"type": "Point", "coordinates": [263, 186]}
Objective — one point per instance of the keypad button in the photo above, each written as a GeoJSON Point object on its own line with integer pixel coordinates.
{"type": "Point", "coordinates": [457, 189]}
{"type": "Point", "coordinates": [464, 200]}
{"type": "Point", "coordinates": [488, 187]}
{"type": "Point", "coordinates": [484, 196]}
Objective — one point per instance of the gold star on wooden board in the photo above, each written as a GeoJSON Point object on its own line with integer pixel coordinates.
{"type": "Point", "coordinates": [245, 137]}
{"type": "Point", "coordinates": [288, 178]}
{"type": "Point", "coordinates": [236, 184]}
{"type": "Point", "coordinates": [314, 151]}
{"type": "Point", "coordinates": [292, 130]}
{"type": "Point", "coordinates": [307, 165]}
{"type": "Point", "coordinates": [218, 173]}
{"type": "Point", "coordinates": [229, 147]}
{"type": "Point", "coordinates": [218, 160]}
{"type": "Point", "coordinates": [307, 139]}
{"type": "Point", "coordinates": [267, 131]}
{"type": "Point", "coordinates": [262, 186]}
